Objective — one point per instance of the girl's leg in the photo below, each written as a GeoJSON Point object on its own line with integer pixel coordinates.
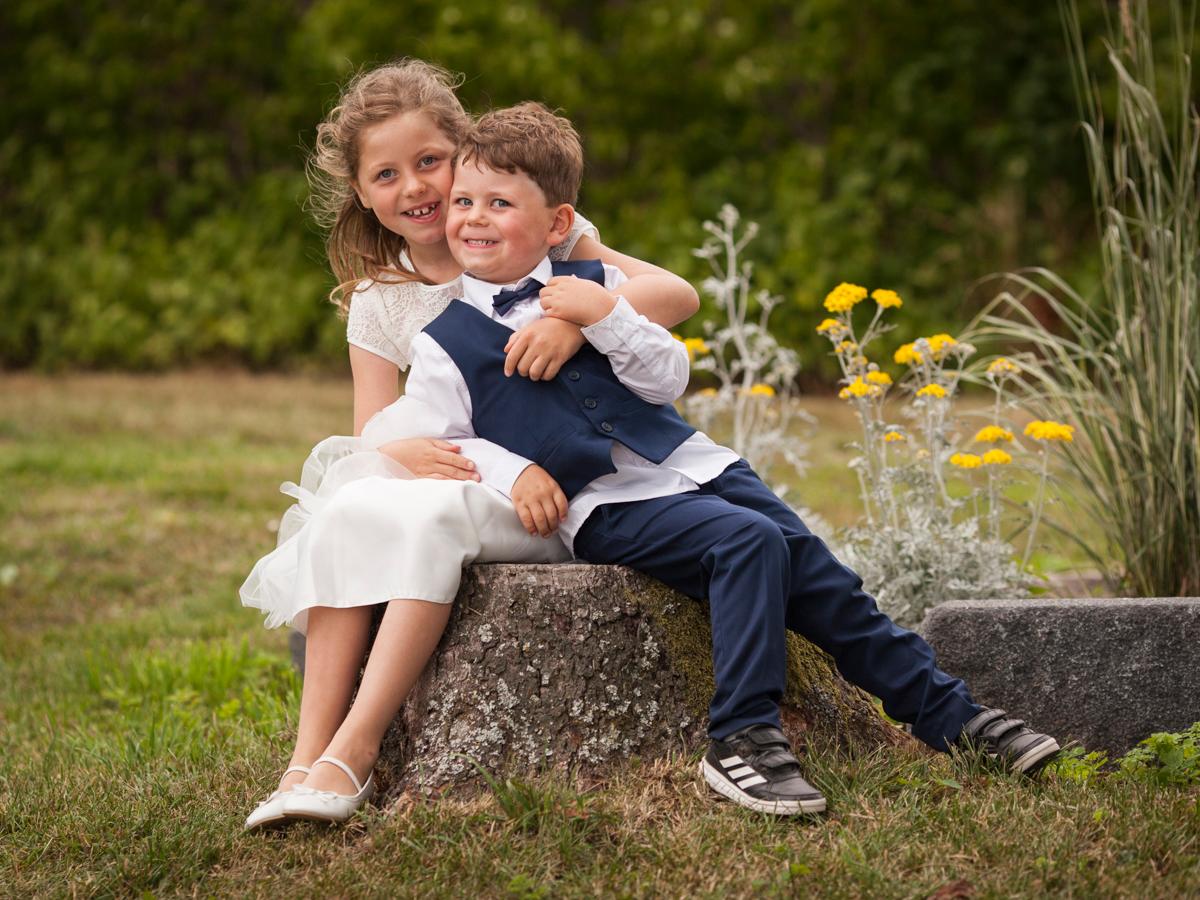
{"type": "Point", "coordinates": [336, 643]}
{"type": "Point", "coordinates": [408, 635]}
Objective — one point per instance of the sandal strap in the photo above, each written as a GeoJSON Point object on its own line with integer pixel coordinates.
{"type": "Point", "coordinates": [290, 769]}
{"type": "Point", "coordinates": [333, 761]}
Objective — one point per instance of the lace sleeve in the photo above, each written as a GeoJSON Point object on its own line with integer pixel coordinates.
{"type": "Point", "coordinates": [580, 227]}
{"type": "Point", "coordinates": [366, 327]}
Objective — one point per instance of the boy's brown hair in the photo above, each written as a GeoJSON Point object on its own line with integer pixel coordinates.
{"type": "Point", "coordinates": [529, 138]}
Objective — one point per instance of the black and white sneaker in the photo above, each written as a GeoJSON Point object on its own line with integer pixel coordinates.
{"type": "Point", "coordinates": [1009, 741]}
{"type": "Point", "coordinates": [755, 768]}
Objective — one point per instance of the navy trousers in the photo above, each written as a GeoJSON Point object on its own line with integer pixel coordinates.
{"type": "Point", "coordinates": [736, 544]}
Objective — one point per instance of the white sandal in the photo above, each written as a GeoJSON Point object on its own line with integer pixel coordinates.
{"type": "Point", "coordinates": [270, 811]}
{"type": "Point", "coordinates": [328, 806]}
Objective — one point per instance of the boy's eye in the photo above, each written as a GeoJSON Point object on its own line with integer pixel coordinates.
{"type": "Point", "coordinates": [462, 201]}
{"type": "Point", "coordinates": [500, 203]}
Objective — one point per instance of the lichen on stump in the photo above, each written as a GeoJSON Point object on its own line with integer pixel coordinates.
{"type": "Point", "coordinates": [581, 667]}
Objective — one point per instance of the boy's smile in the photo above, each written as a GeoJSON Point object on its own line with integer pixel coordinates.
{"type": "Point", "coordinates": [499, 225]}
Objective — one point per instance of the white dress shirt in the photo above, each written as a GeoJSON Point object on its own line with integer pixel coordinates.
{"type": "Point", "coordinates": [644, 357]}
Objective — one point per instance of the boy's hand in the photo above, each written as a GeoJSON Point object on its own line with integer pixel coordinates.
{"type": "Point", "coordinates": [538, 350]}
{"type": "Point", "coordinates": [539, 501]}
{"type": "Point", "coordinates": [577, 300]}
{"type": "Point", "coordinates": [432, 458]}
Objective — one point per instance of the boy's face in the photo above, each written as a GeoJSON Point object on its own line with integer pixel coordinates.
{"type": "Point", "coordinates": [499, 225]}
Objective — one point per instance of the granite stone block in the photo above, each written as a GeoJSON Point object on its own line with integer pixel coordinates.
{"type": "Point", "coordinates": [1104, 672]}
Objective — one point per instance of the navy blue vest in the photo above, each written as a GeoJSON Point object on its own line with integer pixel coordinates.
{"type": "Point", "coordinates": [566, 425]}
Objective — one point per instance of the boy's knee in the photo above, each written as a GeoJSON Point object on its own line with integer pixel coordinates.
{"type": "Point", "coordinates": [755, 533]}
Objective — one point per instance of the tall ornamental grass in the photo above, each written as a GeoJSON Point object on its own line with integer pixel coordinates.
{"type": "Point", "coordinates": [1126, 366]}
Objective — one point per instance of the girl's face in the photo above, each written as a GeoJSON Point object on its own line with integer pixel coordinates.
{"type": "Point", "coordinates": [404, 175]}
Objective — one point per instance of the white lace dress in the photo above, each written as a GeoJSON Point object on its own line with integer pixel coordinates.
{"type": "Point", "coordinates": [363, 530]}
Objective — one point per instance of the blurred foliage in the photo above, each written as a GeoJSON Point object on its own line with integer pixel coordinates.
{"type": "Point", "coordinates": [151, 152]}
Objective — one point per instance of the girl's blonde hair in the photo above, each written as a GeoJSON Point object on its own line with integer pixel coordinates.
{"type": "Point", "coordinates": [358, 246]}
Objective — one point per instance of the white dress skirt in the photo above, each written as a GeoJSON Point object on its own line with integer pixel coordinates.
{"type": "Point", "coordinates": [364, 531]}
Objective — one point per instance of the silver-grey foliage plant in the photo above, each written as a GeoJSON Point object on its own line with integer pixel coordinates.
{"type": "Point", "coordinates": [754, 405]}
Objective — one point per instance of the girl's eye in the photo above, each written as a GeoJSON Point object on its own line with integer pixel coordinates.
{"type": "Point", "coordinates": [462, 201]}
{"type": "Point", "coordinates": [427, 161]}
{"type": "Point", "coordinates": [384, 174]}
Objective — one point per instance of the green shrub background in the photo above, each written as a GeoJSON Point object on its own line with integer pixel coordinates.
{"type": "Point", "coordinates": [151, 153]}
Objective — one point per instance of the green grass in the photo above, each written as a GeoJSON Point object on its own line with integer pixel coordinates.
{"type": "Point", "coordinates": [143, 712]}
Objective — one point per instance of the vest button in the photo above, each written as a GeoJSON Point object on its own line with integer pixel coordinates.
{"type": "Point", "coordinates": [606, 427]}
{"type": "Point", "coordinates": [573, 375]}
{"type": "Point", "coordinates": [590, 402]}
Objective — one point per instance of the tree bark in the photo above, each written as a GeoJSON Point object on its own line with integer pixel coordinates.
{"type": "Point", "coordinates": [581, 667]}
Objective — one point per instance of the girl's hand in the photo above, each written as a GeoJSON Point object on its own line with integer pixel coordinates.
{"type": "Point", "coordinates": [577, 300]}
{"type": "Point", "coordinates": [539, 501]}
{"type": "Point", "coordinates": [431, 458]}
{"type": "Point", "coordinates": [539, 350]}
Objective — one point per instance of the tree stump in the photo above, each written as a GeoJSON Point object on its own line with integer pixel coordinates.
{"type": "Point", "coordinates": [581, 667]}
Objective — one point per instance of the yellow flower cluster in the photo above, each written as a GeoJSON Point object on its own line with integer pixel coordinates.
{"type": "Point", "coordinates": [893, 436]}
{"type": "Point", "coordinates": [932, 390]}
{"type": "Point", "coordinates": [1001, 367]}
{"type": "Point", "coordinates": [879, 378]}
{"type": "Point", "coordinates": [843, 297]}
{"type": "Point", "coordinates": [845, 347]}
{"type": "Point", "coordinates": [940, 343]}
{"type": "Point", "coordinates": [992, 434]}
{"type": "Point", "coordinates": [907, 355]}
{"type": "Point", "coordinates": [1050, 431]}
{"type": "Point", "coordinates": [831, 327]}
{"type": "Point", "coordinates": [761, 390]}
{"type": "Point", "coordinates": [707, 392]}
{"type": "Point", "coordinates": [974, 461]}
{"type": "Point", "coordinates": [858, 388]}
{"type": "Point", "coordinates": [886, 299]}
{"type": "Point", "coordinates": [695, 347]}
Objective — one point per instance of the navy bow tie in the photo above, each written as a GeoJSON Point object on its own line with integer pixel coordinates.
{"type": "Point", "coordinates": [505, 300]}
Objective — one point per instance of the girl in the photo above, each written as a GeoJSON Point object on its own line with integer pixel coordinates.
{"type": "Point", "coordinates": [396, 527]}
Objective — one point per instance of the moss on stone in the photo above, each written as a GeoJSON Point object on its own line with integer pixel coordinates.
{"type": "Point", "coordinates": [687, 634]}
{"type": "Point", "coordinates": [813, 687]}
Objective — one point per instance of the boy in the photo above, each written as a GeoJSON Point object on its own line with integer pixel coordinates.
{"type": "Point", "coordinates": [627, 481]}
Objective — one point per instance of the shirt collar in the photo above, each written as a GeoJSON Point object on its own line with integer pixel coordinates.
{"type": "Point", "coordinates": [479, 293]}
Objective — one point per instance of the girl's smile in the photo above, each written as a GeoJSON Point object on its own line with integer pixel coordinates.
{"type": "Point", "coordinates": [424, 214]}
